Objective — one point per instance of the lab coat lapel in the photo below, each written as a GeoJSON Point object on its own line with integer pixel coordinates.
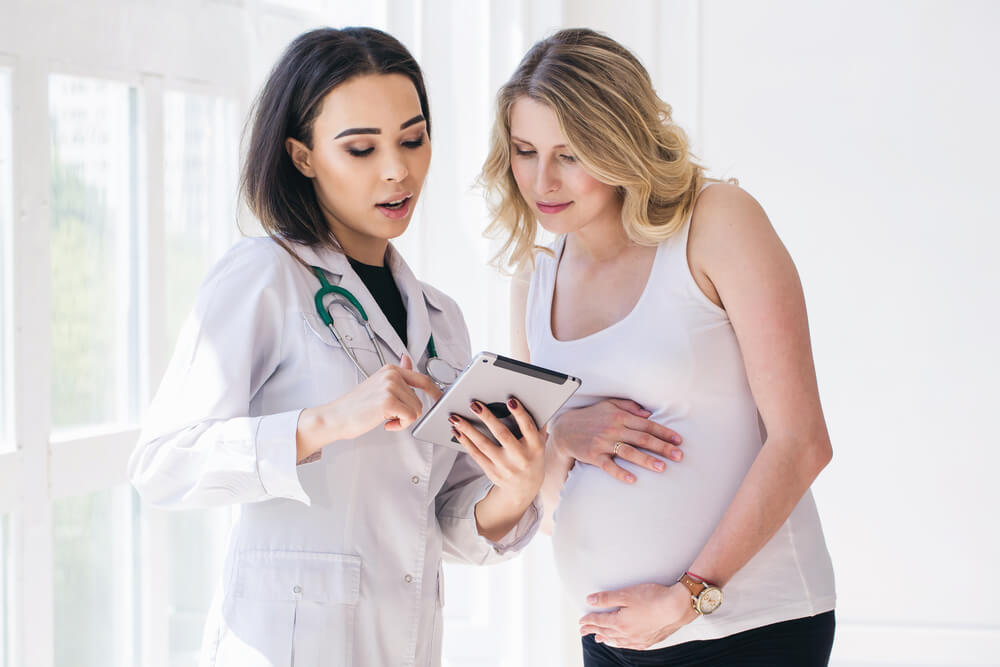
{"type": "Point", "coordinates": [418, 325]}
{"type": "Point", "coordinates": [335, 262]}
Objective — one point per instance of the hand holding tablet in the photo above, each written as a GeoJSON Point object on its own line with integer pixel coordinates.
{"type": "Point", "coordinates": [491, 380]}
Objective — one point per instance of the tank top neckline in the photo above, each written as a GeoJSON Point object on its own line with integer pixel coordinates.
{"type": "Point", "coordinates": [550, 297]}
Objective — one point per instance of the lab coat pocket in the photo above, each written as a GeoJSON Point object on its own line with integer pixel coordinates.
{"type": "Point", "coordinates": [353, 333]}
{"type": "Point", "coordinates": [330, 366]}
{"type": "Point", "coordinates": [291, 608]}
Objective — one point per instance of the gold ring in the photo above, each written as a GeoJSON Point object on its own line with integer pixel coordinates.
{"type": "Point", "coordinates": [614, 452]}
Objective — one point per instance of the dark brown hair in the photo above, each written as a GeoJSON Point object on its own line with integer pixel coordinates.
{"type": "Point", "coordinates": [275, 191]}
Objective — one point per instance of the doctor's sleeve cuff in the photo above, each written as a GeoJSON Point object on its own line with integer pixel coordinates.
{"type": "Point", "coordinates": [518, 536]}
{"type": "Point", "coordinates": [462, 540]}
{"type": "Point", "coordinates": [276, 464]}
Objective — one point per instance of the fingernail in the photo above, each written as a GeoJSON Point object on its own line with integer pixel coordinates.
{"type": "Point", "coordinates": [455, 433]}
{"type": "Point", "coordinates": [676, 455]}
{"type": "Point", "coordinates": [512, 403]}
{"type": "Point", "coordinates": [659, 466]}
{"type": "Point", "coordinates": [591, 599]}
{"type": "Point", "coordinates": [453, 419]}
{"type": "Point", "coordinates": [476, 407]}
{"type": "Point", "coordinates": [629, 478]}
{"type": "Point", "coordinates": [676, 439]}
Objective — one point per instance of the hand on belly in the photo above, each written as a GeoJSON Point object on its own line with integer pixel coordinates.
{"type": "Point", "coordinates": [644, 615]}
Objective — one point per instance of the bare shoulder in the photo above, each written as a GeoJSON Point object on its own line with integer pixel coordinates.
{"type": "Point", "coordinates": [729, 230]}
{"type": "Point", "coordinates": [727, 210]}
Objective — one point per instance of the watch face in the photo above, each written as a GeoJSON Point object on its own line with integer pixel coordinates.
{"type": "Point", "coordinates": [709, 600]}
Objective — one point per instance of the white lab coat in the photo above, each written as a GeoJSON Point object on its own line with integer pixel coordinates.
{"type": "Point", "coordinates": [334, 562]}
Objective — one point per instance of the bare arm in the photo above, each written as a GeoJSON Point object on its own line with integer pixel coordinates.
{"type": "Point", "coordinates": [739, 263]}
{"type": "Point", "coordinates": [736, 249]}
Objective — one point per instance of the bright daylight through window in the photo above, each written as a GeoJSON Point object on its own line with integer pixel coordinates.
{"type": "Point", "coordinates": [200, 174]}
{"type": "Point", "coordinates": [94, 218]}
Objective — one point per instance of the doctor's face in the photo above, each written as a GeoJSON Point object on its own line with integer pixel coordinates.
{"type": "Point", "coordinates": [563, 194]}
{"type": "Point", "coordinates": [369, 156]}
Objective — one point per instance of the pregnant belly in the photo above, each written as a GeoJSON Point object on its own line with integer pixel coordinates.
{"type": "Point", "coordinates": [609, 535]}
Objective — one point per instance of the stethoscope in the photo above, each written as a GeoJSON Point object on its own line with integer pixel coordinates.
{"type": "Point", "coordinates": [438, 370]}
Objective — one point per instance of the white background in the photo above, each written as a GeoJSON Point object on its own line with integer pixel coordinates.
{"type": "Point", "coordinates": [868, 132]}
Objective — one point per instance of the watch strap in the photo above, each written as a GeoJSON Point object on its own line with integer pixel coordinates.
{"type": "Point", "coordinates": [693, 584]}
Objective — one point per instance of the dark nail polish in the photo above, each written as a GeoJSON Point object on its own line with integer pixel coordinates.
{"type": "Point", "coordinates": [476, 407]}
{"type": "Point", "coordinates": [453, 419]}
{"type": "Point", "coordinates": [512, 403]}
{"type": "Point", "coordinates": [455, 433]}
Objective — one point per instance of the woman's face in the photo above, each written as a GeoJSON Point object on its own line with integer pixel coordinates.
{"type": "Point", "coordinates": [565, 197]}
{"type": "Point", "coordinates": [370, 153]}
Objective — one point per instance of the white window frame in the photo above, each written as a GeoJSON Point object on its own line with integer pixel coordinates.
{"type": "Point", "coordinates": [44, 468]}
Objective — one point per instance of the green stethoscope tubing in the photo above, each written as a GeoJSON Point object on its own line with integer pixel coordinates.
{"type": "Point", "coordinates": [325, 290]}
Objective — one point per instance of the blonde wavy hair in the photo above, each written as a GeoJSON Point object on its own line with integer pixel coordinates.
{"type": "Point", "coordinates": [616, 126]}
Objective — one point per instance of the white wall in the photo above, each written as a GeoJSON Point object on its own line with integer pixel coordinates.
{"type": "Point", "coordinates": [868, 132]}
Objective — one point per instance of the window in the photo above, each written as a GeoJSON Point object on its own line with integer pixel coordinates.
{"type": "Point", "coordinates": [194, 569]}
{"type": "Point", "coordinates": [94, 217]}
{"type": "Point", "coordinates": [200, 179]}
{"type": "Point", "coordinates": [94, 580]}
{"type": "Point", "coordinates": [6, 214]}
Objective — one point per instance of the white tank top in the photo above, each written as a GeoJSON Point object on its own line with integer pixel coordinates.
{"type": "Point", "coordinates": [676, 355]}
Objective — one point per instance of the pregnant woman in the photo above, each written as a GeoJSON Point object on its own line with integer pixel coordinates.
{"type": "Point", "coordinates": [673, 299]}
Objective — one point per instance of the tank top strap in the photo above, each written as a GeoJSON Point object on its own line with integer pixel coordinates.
{"type": "Point", "coordinates": [674, 262]}
{"type": "Point", "coordinates": [538, 307]}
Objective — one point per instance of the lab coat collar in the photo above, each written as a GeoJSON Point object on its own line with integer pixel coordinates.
{"type": "Point", "coordinates": [415, 300]}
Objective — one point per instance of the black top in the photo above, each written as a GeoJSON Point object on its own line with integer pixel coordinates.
{"type": "Point", "coordinates": [378, 280]}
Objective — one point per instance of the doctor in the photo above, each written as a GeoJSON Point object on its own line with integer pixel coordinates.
{"type": "Point", "coordinates": [280, 403]}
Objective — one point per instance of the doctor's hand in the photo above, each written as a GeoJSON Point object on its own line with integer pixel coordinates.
{"type": "Point", "coordinates": [646, 614]}
{"type": "Point", "coordinates": [517, 465]}
{"type": "Point", "coordinates": [386, 397]}
{"type": "Point", "coordinates": [615, 428]}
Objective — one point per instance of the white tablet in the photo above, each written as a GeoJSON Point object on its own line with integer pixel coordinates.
{"type": "Point", "coordinates": [492, 379]}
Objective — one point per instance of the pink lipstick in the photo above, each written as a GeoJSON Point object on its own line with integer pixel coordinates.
{"type": "Point", "coordinates": [552, 208]}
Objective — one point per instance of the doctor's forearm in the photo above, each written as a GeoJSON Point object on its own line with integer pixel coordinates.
{"type": "Point", "coordinates": [498, 513]}
{"type": "Point", "coordinates": [315, 429]}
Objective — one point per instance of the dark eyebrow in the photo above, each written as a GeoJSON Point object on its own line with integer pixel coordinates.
{"type": "Point", "coordinates": [359, 130]}
{"type": "Point", "coordinates": [374, 130]}
{"type": "Point", "coordinates": [413, 121]}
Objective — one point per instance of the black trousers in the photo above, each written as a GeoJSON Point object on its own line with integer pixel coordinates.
{"type": "Point", "coordinates": [803, 642]}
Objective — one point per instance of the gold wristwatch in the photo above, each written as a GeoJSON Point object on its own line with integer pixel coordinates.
{"type": "Point", "coordinates": [705, 597]}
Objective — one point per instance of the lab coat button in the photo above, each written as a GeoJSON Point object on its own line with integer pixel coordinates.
{"type": "Point", "coordinates": [408, 579]}
{"type": "Point", "coordinates": [296, 589]}
{"type": "Point", "coordinates": [347, 337]}
{"type": "Point", "coordinates": [415, 479]}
